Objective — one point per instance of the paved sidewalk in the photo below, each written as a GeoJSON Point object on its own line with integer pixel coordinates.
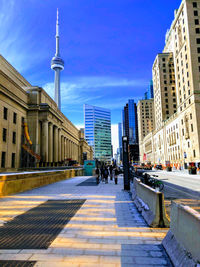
{"type": "Point", "coordinates": [106, 231]}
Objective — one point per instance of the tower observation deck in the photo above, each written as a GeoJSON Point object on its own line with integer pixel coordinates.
{"type": "Point", "coordinates": [57, 64]}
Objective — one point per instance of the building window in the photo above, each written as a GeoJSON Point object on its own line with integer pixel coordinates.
{"type": "Point", "coordinates": [3, 159]}
{"type": "Point", "coordinates": [194, 153]}
{"type": "Point", "coordinates": [192, 128]}
{"type": "Point", "coordinates": [5, 113]}
{"type": "Point", "coordinates": [4, 134]}
{"type": "Point", "coordinates": [13, 160]}
{"type": "Point", "coordinates": [14, 118]}
{"type": "Point", "coordinates": [197, 30]}
{"type": "Point", "coordinates": [183, 132]}
{"type": "Point", "coordinates": [194, 4]}
{"type": "Point", "coordinates": [195, 13]}
{"type": "Point", "coordinates": [198, 40]}
{"type": "Point", "coordinates": [14, 138]}
{"type": "Point", "coordinates": [190, 115]}
{"type": "Point", "coordinates": [196, 21]}
{"type": "Point", "coordinates": [188, 144]}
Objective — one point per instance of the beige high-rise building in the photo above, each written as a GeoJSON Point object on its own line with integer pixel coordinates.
{"type": "Point", "coordinates": [145, 111]}
{"type": "Point", "coordinates": [164, 88]}
{"type": "Point", "coordinates": [33, 131]}
{"type": "Point", "coordinates": [176, 137]}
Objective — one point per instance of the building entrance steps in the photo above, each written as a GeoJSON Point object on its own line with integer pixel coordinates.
{"type": "Point", "coordinates": [107, 230]}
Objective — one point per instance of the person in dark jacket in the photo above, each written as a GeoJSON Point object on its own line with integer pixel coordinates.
{"type": "Point", "coordinates": [111, 172]}
{"type": "Point", "coordinates": [116, 173]}
{"type": "Point", "coordinates": [97, 175]}
{"type": "Point", "coordinates": [102, 173]}
{"type": "Point", "coordinates": [106, 174]}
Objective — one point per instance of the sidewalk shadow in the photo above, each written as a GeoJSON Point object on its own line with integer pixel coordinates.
{"type": "Point", "coordinates": [144, 255]}
{"type": "Point", "coordinates": [127, 214]}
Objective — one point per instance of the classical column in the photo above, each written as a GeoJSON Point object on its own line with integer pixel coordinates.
{"type": "Point", "coordinates": [68, 154]}
{"type": "Point", "coordinates": [50, 142]}
{"type": "Point", "coordinates": [45, 141]}
{"type": "Point", "coordinates": [70, 149]}
{"type": "Point", "coordinates": [65, 145]}
{"type": "Point", "coordinates": [55, 144]}
{"type": "Point", "coordinates": [62, 148]}
{"type": "Point", "coordinates": [59, 145]}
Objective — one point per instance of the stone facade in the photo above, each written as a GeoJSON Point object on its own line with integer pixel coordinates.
{"type": "Point", "coordinates": [49, 139]}
{"type": "Point", "coordinates": [176, 137]}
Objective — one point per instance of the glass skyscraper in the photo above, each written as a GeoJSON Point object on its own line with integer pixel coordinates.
{"type": "Point", "coordinates": [130, 128]}
{"type": "Point", "coordinates": [149, 93]}
{"type": "Point", "coordinates": [130, 122]}
{"type": "Point", "coordinates": [120, 139]}
{"type": "Point", "coordinates": [98, 131]}
{"type": "Point", "coordinates": [133, 122]}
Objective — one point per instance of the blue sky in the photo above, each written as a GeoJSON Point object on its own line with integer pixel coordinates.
{"type": "Point", "coordinates": [108, 47]}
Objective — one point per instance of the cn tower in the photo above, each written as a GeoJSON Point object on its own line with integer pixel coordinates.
{"type": "Point", "coordinates": [57, 64]}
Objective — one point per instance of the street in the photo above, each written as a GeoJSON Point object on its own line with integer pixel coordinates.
{"type": "Point", "coordinates": [180, 187]}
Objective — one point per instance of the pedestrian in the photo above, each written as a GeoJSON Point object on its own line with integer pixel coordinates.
{"type": "Point", "coordinates": [97, 175]}
{"type": "Point", "coordinates": [106, 174]}
{"type": "Point", "coordinates": [111, 172]}
{"type": "Point", "coordinates": [102, 173]}
{"type": "Point", "coordinates": [116, 172]}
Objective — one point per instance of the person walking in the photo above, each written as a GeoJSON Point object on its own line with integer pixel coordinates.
{"type": "Point", "coordinates": [116, 172]}
{"type": "Point", "coordinates": [106, 174]}
{"type": "Point", "coordinates": [111, 172]}
{"type": "Point", "coordinates": [102, 173]}
{"type": "Point", "coordinates": [97, 175]}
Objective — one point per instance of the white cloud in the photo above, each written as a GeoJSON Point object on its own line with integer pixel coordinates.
{"type": "Point", "coordinates": [81, 90]}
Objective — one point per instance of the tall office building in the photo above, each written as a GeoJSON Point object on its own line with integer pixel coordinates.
{"type": "Point", "coordinates": [57, 64]}
{"type": "Point", "coordinates": [145, 111]}
{"type": "Point", "coordinates": [130, 128]}
{"type": "Point", "coordinates": [164, 88]}
{"type": "Point", "coordinates": [176, 73]}
{"type": "Point", "coordinates": [149, 92]}
{"type": "Point", "coordinates": [130, 122]}
{"type": "Point", "coordinates": [98, 131]}
{"type": "Point", "coordinates": [120, 139]}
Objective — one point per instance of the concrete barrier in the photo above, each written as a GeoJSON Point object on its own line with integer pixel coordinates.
{"type": "Point", "coordinates": [150, 203]}
{"type": "Point", "coordinates": [14, 183]}
{"type": "Point", "coordinates": [182, 242]}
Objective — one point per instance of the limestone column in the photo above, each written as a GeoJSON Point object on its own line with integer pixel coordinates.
{"type": "Point", "coordinates": [65, 142]}
{"type": "Point", "coordinates": [45, 141]}
{"type": "Point", "coordinates": [68, 156]}
{"type": "Point", "coordinates": [50, 142]}
{"type": "Point", "coordinates": [55, 144]}
{"type": "Point", "coordinates": [70, 149]}
{"type": "Point", "coordinates": [59, 145]}
{"type": "Point", "coordinates": [62, 147]}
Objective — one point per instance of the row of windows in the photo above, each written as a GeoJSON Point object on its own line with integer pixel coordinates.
{"type": "Point", "coordinates": [5, 115]}
{"type": "Point", "coordinates": [4, 136]}
{"type": "Point", "coordinates": [3, 160]}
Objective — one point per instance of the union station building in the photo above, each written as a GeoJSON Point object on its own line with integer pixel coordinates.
{"type": "Point", "coordinates": [33, 131]}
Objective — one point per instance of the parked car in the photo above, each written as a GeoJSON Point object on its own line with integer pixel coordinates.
{"type": "Point", "coordinates": [159, 167]}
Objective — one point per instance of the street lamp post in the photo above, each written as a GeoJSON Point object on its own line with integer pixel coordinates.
{"type": "Point", "coordinates": [126, 163]}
